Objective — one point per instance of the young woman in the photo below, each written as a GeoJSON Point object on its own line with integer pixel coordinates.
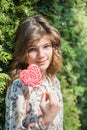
{"type": "Point", "coordinates": [35, 108]}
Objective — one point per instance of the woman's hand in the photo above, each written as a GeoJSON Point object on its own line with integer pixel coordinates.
{"type": "Point", "coordinates": [49, 107]}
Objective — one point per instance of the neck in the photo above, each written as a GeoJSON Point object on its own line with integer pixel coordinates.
{"type": "Point", "coordinates": [43, 75]}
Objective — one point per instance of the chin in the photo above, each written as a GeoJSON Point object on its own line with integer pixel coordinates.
{"type": "Point", "coordinates": [43, 67]}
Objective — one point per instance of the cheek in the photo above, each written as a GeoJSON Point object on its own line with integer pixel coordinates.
{"type": "Point", "coordinates": [32, 55]}
{"type": "Point", "coordinates": [31, 58]}
{"type": "Point", "coordinates": [50, 53]}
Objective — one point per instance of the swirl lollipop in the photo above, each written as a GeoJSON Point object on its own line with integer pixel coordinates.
{"type": "Point", "coordinates": [31, 76]}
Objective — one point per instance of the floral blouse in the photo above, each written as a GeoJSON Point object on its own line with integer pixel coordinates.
{"type": "Point", "coordinates": [22, 106]}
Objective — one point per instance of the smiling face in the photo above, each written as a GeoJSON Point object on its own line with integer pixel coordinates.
{"type": "Point", "coordinates": [41, 53]}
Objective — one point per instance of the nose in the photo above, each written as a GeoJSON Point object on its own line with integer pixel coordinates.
{"type": "Point", "coordinates": [40, 53]}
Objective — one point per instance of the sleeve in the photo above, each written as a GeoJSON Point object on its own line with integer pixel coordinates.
{"type": "Point", "coordinates": [36, 125]}
{"type": "Point", "coordinates": [59, 118]}
{"type": "Point", "coordinates": [57, 123]}
{"type": "Point", "coordinates": [15, 106]}
{"type": "Point", "coordinates": [19, 114]}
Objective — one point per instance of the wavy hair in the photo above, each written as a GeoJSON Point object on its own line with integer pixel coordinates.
{"type": "Point", "coordinates": [30, 31]}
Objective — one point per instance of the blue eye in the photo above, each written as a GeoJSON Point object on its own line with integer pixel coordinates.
{"type": "Point", "coordinates": [47, 46]}
{"type": "Point", "coordinates": [32, 49]}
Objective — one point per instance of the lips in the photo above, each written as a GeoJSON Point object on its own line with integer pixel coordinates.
{"type": "Point", "coordinates": [41, 62]}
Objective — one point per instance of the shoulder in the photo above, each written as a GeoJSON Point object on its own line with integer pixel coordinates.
{"type": "Point", "coordinates": [57, 82]}
{"type": "Point", "coordinates": [17, 86]}
{"type": "Point", "coordinates": [17, 82]}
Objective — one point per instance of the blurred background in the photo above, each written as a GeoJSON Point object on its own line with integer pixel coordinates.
{"type": "Point", "coordinates": [70, 18]}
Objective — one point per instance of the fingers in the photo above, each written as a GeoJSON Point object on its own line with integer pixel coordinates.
{"type": "Point", "coordinates": [49, 106]}
{"type": "Point", "coordinates": [43, 100]}
{"type": "Point", "coordinates": [47, 96]}
{"type": "Point", "coordinates": [50, 99]}
{"type": "Point", "coordinates": [53, 102]}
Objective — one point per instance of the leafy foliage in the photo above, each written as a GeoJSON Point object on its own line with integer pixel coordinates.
{"type": "Point", "coordinates": [70, 18]}
{"type": "Point", "coordinates": [70, 110]}
{"type": "Point", "coordinates": [3, 79]}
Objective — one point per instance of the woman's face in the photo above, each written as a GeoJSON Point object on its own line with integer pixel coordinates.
{"type": "Point", "coordinates": [41, 53]}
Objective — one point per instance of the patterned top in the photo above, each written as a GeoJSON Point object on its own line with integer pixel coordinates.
{"type": "Point", "coordinates": [22, 106]}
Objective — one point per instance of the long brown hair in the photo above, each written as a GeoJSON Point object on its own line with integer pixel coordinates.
{"type": "Point", "coordinates": [28, 32]}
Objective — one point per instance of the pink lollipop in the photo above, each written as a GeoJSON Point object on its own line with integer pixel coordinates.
{"type": "Point", "coordinates": [31, 76]}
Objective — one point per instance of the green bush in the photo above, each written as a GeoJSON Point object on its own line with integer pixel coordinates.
{"type": "Point", "coordinates": [69, 17]}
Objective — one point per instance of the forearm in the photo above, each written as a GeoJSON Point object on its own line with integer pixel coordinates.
{"type": "Point", "coordinates": [15, 106]}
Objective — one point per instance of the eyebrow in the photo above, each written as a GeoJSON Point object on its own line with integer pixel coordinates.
{"type": "Point", "coordinates": [35, 45]}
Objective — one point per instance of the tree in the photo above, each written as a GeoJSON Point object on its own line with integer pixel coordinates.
{"type": "Point", "coordinates": [69, 17]}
